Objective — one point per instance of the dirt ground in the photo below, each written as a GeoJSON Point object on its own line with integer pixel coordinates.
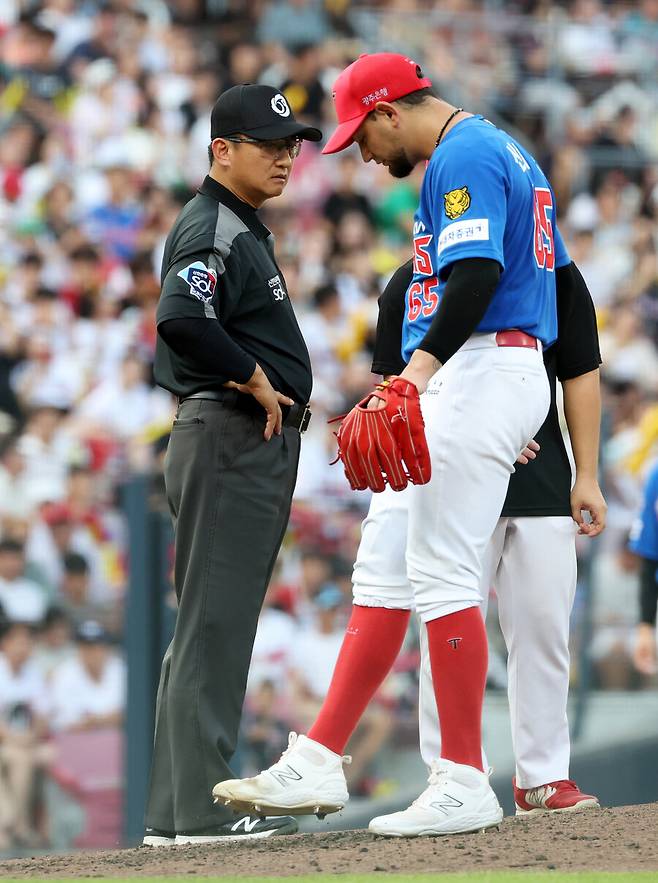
{"type": "Point", "coordinates": [618, 839]}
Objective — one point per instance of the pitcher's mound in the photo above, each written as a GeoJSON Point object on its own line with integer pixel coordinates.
{"type": "Point", "coordinates": [619, 839]}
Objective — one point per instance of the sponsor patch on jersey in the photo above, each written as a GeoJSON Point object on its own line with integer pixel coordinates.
{"type": "Point", "coordinates": [276, 287]}
{"type": "Point", "coordinates": [201, 279]}
{"type": "Point", "coordinates": [463, 231]}
{"type": "Point", "coordinates": [456, 202]}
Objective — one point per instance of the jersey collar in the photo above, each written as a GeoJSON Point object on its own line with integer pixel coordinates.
{"type": "Point", "coordinates": [245, 212]}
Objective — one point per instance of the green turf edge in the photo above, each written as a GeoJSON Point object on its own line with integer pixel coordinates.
{"type": "Point", "coordinates": [476, 876]}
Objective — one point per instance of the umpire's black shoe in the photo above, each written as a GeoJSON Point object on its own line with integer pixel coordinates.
{"type": "Point", "coordinates": [244, 828]}
{"type": "Point", "coordinates": [156, 837]}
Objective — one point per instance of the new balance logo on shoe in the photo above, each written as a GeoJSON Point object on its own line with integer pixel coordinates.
{"type": "Point", "coordinates": [447, 802]}
{"type": "Point", "coordinates": [283, 777]}
{"type": "Point", "coordinates": [540, 796]}
{"type": "Point", "coordinates": [247, 823]}
{"type": "Point", "coordinates": [307, 780]}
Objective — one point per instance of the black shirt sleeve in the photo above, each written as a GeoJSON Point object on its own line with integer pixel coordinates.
{"type": "Point", "coordinates": [577, 348]}
{"type": "Point", "coordinates": [188, 315]}
{"type": "Point", "coordinates": [648, 591]}
{"type": "Point", "coordinates": [387, 357]}
{"type": "Point", "coordinates": [201, 282]}
{"type": "Point", "coordinates": [209, 346]}
{"type": "Point", "coordinates": [468, 292]}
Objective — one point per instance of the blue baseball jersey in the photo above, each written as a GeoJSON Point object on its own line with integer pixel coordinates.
{"type": "Point", "coordinates": [644, 533]}
{"type": "Point", "coordinates": [484, 196]}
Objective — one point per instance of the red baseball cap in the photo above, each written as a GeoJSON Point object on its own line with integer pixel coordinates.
{"type": "Point", "coordinates": [384, 76]}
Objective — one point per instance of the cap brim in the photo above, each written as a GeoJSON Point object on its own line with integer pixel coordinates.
{"type": "Point", "coordinates": [344, 135]}
{"type": "Point", "coordinates": [284, 129]}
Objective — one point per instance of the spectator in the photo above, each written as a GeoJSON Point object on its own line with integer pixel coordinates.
{"type": "Point", "coordinates": [62, 530]}
{"type": "Point", "coordinates": [74, 589]}
{"type": "Point", "coordinates": [275, 639]}
{"type": "Point", "coordinates": [88, 690]}
{"type": "Point", "coordinates": [614, 616]}
{"type": "Point", "coordinates": [115, 224]}
{"type": "Point", "coordinates": [21, 599]}
{"type": "Point", "coordinates": [327, 332]}
{"type": "Point", "coordinates": [14, 500]}
{"type": "Point", "coordinates": [293, 22]}
{"type": "Point", "coordinates": [55, 643]}
{"type": "Point", "coordinates": [122, 406]}
{"type": "Point", "coordinates": [24, 706]}
{"type": "Point", "coordinates": [302, 86]}
{"type": "Point", "coordinates": [346, 196]}
{"type": "Point", "coordinates": [47, 449]}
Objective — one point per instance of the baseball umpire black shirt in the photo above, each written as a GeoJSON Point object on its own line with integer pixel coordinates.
{"type": "Point", "coordinates": [229, 491]}
{"type": "Point", "coordinates": [219, 264]}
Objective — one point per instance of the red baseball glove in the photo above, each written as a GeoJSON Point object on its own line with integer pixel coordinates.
{"type": "Point", "coordinates": [375, 446]}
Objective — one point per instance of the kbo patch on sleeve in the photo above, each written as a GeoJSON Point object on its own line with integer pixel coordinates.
{"type": "Point", "coordinates": [201, 279]}
{"type": "Point", "coordinates": [456, 202]}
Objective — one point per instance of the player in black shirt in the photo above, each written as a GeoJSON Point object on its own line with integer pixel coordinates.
{"type": "Point", "coordinates": [531, 560]}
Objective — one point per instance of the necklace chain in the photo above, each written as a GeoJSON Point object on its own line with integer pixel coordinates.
{"type": "Point", "coordinates": [447, 123]}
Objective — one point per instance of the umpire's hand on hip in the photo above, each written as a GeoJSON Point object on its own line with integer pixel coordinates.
{"type": "Point", "coordinates": [262, 390]}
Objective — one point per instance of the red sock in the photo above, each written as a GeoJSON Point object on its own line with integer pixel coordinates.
{"type": "Point", "coordinates": [459, 657]}
{"type": "Point", "coordinates": [371, 644]}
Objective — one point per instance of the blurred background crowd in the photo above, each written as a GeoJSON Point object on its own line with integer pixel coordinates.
{"type": "Point", "coordinates": [104, 124]}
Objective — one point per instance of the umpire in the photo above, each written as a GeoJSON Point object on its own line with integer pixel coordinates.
{"type": "Point", "coordinates": [230, 349]}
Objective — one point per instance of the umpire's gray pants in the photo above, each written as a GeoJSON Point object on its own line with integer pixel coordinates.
{"type": "Point", "coordinates": [229, 493]}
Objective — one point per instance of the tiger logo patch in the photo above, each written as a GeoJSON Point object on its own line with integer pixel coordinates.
{"type": "Point", "coordinates": [456, 202]}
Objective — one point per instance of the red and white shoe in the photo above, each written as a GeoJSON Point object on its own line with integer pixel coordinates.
{"type": "Point", "coordinates": [562, 796]}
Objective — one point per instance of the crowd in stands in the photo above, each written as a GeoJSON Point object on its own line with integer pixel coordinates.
{"type": "Point", "coordinates": [104, 126]}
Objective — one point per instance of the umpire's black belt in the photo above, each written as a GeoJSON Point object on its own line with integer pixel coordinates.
{"type": "Point", "coordinates": [295, 416]}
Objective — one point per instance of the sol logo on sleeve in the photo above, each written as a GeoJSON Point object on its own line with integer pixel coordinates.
{"type": "Point", "coordinates": [456, 202]}
{"type": "Point", "coordinates": [201, 279]}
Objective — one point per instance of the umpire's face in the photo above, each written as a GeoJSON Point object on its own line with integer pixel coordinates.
{"type": "Point", "coordinates": [255, 171]}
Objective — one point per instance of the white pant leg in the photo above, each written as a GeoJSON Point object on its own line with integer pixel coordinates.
{"type": "Point", "coordinates": [480, 409]}
{"type": "Point", "coordinates": [380, 571]}
{"type": "Point", "coordinates": [428, 716]}
{"type": "Point", "coordinates": [536, 584]}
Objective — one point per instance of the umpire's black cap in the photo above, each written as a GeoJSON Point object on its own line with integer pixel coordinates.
{"type": "Point", "coordinates": [261, 112]}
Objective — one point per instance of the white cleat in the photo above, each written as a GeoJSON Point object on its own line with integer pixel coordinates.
{"type": "Point", "coordinates": [307, 780]}
{"type": "Point", "coordinates": [459, 799]}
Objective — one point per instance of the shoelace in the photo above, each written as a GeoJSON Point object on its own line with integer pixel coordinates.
{"type": "Point", "coordinates": [438, 776]}
{"type": "Point", "coordinates": [292, 739]}
{"type": "Point", "coordinates": [560, 785]}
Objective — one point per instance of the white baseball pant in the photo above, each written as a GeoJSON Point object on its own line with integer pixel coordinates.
{"type": "Point", "coordinates": [531, 564]}
{"type": "Point", "coordinates": [480, 410]}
